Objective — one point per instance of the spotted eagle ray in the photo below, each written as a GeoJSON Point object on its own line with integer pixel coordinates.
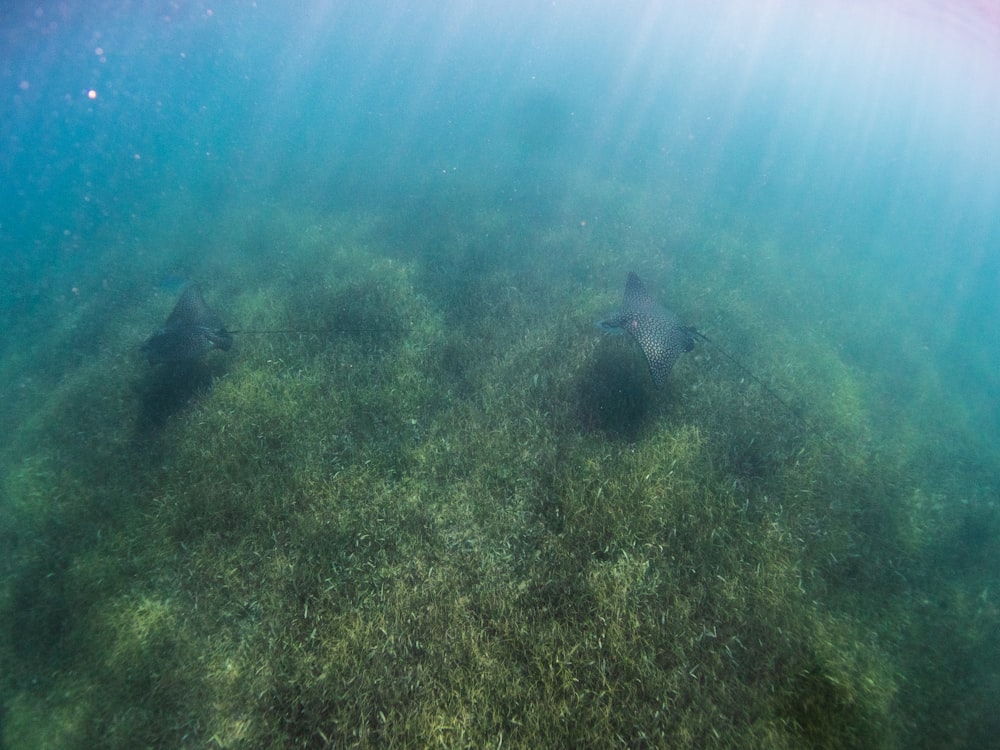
{"type": "Point", "coordinates": [663, 340]}
{"type": "Point", "coordinates": [192, 330]}
{"type": "Point", "coordinates": [659, 332]}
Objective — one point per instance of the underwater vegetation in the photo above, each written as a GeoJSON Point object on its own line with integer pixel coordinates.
{"type": "Point", "coordinates": [452, 513]}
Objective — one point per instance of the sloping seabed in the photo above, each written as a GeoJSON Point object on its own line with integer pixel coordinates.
{"type": "Point", "coordinates": [453, 513]}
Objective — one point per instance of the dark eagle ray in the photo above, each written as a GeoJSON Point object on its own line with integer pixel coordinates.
{"type": "Point", "coordinates": [659, 332]}
{"type": "Point", "coordinates": [192, 330]}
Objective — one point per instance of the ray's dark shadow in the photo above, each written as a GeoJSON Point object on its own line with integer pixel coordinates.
{"type": "Point", "coordinates": [613, 394]}
{"type": "Point", "coordinates": [167, 389]}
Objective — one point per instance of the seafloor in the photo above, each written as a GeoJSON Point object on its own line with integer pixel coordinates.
{"type": "Point", "coordinates": [451, 513]}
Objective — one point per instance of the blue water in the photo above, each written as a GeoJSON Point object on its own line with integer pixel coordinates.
{"type": "Point", "coordinates": [845, 116]}
{"type": "Point", "coordinates": [860, 137]}
{"type": "Point", "coordinates": [870, 121]}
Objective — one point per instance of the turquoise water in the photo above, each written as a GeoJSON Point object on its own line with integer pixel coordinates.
{"type": "Point", "coordinates": [812, 185]}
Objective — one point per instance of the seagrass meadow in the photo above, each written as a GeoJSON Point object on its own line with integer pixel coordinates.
{"type": "Point", "coordinates": [452, 513]}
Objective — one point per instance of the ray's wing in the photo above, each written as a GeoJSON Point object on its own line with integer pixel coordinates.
{"type": "Point", "coordinates": [663, 344]}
